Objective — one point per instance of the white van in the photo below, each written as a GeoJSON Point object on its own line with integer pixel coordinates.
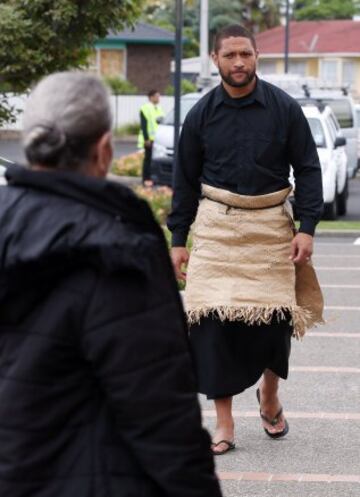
{"type": "Point", "coordinates": [357, 109]}
{"type": "Point", "coordinates": [344, 109]}
{"type": "Point", "coordinates": [330, 144]}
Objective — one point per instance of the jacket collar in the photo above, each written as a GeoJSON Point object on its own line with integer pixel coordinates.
{"type": "Point", "coordinates": [107, 196]}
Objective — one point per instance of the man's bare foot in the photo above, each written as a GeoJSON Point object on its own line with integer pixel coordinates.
{"type": "Point", "coordinates": [223, 432]}
{"type": "Point", "coordinates": [270, 408]}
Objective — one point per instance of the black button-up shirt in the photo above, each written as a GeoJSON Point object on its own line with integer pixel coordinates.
{"type": "Point", "coordinates": [245, 145]}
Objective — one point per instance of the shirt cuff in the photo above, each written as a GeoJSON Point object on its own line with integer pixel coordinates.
{"type": "Point", "coordinates": [307, 226]}
{"type": "Point", "coordinates": [179, 239]}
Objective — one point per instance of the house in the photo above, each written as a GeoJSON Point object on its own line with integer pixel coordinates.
{"type": "Point", "coordinates": [141, 55]}
{"type": "Point", "coordinates": [329, 50]}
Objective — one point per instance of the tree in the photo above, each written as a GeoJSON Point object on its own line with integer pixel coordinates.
{"type": "Point", "coordinates": [256, 15]}
{"type": "Point", "coordinates": [38, 37]}
{"type": "Point", "coordinates": [324, 9]}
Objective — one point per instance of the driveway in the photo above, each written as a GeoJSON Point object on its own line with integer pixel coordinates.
{"type": "Point", "coordinates": [321, 399]}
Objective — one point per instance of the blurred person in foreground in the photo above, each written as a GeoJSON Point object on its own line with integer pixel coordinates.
{"type": "Point", "coordinates": [250, 284]}
{"type": "Point", "coordinates": [97, 394]}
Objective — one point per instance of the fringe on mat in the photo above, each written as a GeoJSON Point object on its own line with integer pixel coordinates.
{"type": "Point", "coordinates": [302, 319]}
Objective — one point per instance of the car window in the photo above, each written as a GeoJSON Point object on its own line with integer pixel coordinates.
{"type": "Point", "coordinates": [185, 106]}
{"type": "Point", "coordinates": [335, 122]}
{"type": "Point", "coordinates": [342, 110]}
{"type": "Point", "coordinates": [332, 129]}
{"type": "Point", "coordinates": [317, 132]}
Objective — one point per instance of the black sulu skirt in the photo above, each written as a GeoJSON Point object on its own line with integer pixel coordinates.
{"type": "Point", "coordinates": [231, 356]}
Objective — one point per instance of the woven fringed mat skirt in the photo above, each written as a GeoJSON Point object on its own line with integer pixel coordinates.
{"type": "Point", "coordinates": [239, 267]}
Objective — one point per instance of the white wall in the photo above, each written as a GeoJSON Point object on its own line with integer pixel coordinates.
{"type": "Point", "coordinates": [127, 106]}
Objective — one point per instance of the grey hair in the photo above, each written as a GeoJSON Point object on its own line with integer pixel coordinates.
{"type": "Point", "coordinates": [65, 115]}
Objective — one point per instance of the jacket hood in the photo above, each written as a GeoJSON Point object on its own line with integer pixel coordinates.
{"type": "Point", "coordinates": [57, 221]}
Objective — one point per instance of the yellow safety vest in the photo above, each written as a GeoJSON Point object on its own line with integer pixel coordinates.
{"type": "Point", "coordinates": [152, 113]}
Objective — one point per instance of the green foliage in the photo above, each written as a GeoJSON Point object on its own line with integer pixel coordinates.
{"type": "Point", "coordinates": [38, 37]}
{"type": "Point", "coordinates": [131, 129]}
{"type": "Point", "coordinates": [120, 86]}
{"type": "Point", "coordinates": [7, 112]}
{"type": "Point", "coordinates": [325, 9]}
{"type": "Point", "coordinates": [186, 87]}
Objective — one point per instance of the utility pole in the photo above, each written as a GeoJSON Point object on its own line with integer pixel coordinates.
{"type": "Point", "coordinates": [287, 34]}
{"type": "Point", "coordinates": [205, 78]}
{"type": "Point", "coordinates": [177, 80]}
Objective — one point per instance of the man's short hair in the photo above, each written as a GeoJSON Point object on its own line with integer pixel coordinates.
{"type": "Point", "coordinates": [152, 93]}
{"type": "Point", "coordinates": [234, 30]}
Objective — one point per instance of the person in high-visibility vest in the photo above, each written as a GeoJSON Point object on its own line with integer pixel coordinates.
{"type": "Point", "coordinates": [150, 115]}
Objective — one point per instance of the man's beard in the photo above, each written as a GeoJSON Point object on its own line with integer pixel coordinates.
{"type": "Point", "coordinates": [250, 75]}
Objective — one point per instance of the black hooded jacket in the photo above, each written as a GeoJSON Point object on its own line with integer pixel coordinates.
{"type": "Point", "coordinates": [97, 395]}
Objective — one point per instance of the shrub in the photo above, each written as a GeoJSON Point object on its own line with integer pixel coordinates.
{"type": "Point", "coordinates": [186, 87]}
{"type": "Point", "coordinates": [130, 129]}
{"type": "Point", "coordinates": [159, 200]}
{"type": "Point", "coordinates": [130, 165]}
{"type": "Point", "coordinates": [120, 86]}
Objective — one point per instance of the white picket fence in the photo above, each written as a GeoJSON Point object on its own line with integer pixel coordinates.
{"type": "Point", "coordinates": [125, 109]}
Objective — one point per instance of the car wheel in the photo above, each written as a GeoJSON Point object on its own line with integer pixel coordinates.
{"type": "Point", "coordinates": [330, 210]}
{"type": "Point", "coordinates": [342, 200]}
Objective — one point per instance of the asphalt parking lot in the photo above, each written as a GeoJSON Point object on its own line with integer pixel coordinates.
{"type": "Point", "coordinates": [321, 399]}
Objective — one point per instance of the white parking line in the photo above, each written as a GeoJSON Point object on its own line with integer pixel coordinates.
{"type": "Point", "coordinates": [339, 268]}
{"type": "Point", "coordinates": [332, 334]}
{"type": "Point", "coordinates": [337, 256]}
{"type": "Point", "coordinates": [345, 287]}
{"type": "Point", "coordinates": [341, 308]}
{"type": "Point", "coordinates": [334, 244]}
{"type": "Point", "coordinates": [324, 369]}
{"type": "Point", "coordinates": [357, 241]}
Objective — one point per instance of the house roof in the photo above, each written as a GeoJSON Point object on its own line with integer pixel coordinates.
{"type": "Point", "coordinates": [143, 33]}
{"type": "Point", "coordinates": [313, 37]}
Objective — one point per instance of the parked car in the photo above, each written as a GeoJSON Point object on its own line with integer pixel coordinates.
{"type": "Point", "coordinates": [357, 110]}
{"type": "Point", "coordinates": [330, 144]}
{"type": "Point", "coordinates": [343, 107]}
{"type": "Point", "coordinates": [163, 146]}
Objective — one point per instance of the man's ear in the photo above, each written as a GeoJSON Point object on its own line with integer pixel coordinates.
{"type": "Point", "coordinates": [214, 57]}
{"type": "Point", "coordinates": [104, 154]}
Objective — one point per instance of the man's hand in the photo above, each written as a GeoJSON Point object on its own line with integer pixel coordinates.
{"type": "Point", "coordinates": [301, 248]}
{"type": "Point", "coordinates": [179, 256]}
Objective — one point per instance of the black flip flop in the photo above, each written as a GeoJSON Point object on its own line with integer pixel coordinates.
{"type": "Point", "coordinates": [230, 446]}
{"type": "Point", "coordinates": [273, 422]}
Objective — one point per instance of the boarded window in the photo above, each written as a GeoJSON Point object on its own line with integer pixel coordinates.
{"type": "Point", "coordinates": [112, 63]}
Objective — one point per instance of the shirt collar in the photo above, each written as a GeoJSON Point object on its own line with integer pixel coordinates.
{"type": "Point", "coordinates": [258, 94]}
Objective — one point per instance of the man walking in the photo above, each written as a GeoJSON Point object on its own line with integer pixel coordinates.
{"type": "Point", "coordinates": [150, 114]}
{"type": "Point", "coordinates": [249, 284]}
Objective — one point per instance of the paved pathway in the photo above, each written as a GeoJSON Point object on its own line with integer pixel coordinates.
{"type": "Point", "coordinates": [320, 457]}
